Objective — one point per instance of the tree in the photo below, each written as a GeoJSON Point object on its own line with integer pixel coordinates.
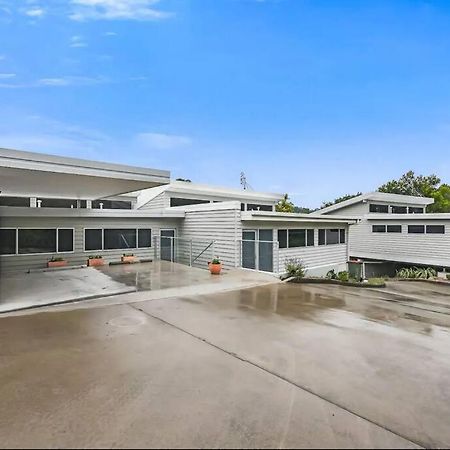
{"type": "Point", "coordinates": [441, 200]}
{"type": "Point", "coordinates": [340, 200]}
{"type": "Point", "coordinates": [285, 205]}
{"type": "Point", "coordinates": [412, 184]}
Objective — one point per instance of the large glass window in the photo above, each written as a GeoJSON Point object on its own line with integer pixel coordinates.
{"type": "Point", "coordinates": [394, 228]}
{"type": "Point", "coordinates": [58, 203]}
{"type": "Point", "coordinates": [374, 208]}
{"type": "Point", "coordinates": [65, 240]}
{"type": "Point", "coordinates": [254, 207]}
{"type": "Point", "coordinates": [414, 210]}
{"type": "Point", "coordinates": [144, 238]}
{"type": "Point", "coordinates": [378, 228]}
{"type": "Point", "coordinates": [332, 236]}
{"type": "Point", "coordinates": [14, 201]}
{"type": "Point", "coordinates": [282, 238]}
{"type": "Point", "coordinates": [119, 238]}
{"type": "Point", "coordinates": [435, 229]}
{"type": "Point", "coordinates": [416, 229]}
{"type": "Point", "coordinates": [93, 239]}
{"type": "Point", "coordinates": [297, 238]}
{"type": "Point", "coordinates": [111, 204]}
{"type": "Point", "coordinates": [322, 240]}
{"type": "Point", "coordinates": [310, 238]}
{"type": "Point", "coordinates": [399, 209]}
{"type": "Point", "coordinates": [7, 241]}
{"type": "Point", "coordinates": [36, 241]}
{"type": "Point", "coordinates": [174, 201]}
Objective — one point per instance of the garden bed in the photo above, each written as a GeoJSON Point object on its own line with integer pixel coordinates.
{"type": "Point", "coordinates": [307, 280]}
{"type": "Point", "coordinates": [427, 280]}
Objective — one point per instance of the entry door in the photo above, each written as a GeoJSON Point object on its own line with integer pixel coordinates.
{"type": "Point", "coordinates": [249, 249]}
{"type": "Point", "coordinates": [167, 245]}
{"type": "Point", "coordinates": [265, 250]}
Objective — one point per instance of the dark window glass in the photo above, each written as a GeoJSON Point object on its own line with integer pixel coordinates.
{"type": "Point", "coordinates": [111, 204]}
{"type": "Point", "coordinates": [65, 240]}
{"type": "Point", "coordinates": [321, 237]}
{"type": "Point", "coordinates": [83, 204]}
{"type": "Point", "coordinates": [119, 238]}
{"type": "Point", "coordinates": [144, 238]}
{"type": "Point", "coordinates": [416, 229]}
{"type": "Point", "coordinates": [394, 228]}
{"type": "Point", "coordinates": [251, 207]}
{"type": "Point", "coordinates": [399, 210]}
{"type": "Point", "coordinates": [332, 236]}
{"type": "Point", "coordinates": [174, 201]}
{"type": "Point", "coordinates": [57, 203]}
{"type": "Point", "coordinates": [342, 236]}
{"type": "Point", "coordinates": [37, 241]}
{"type": "Point", "coordinates": [435, 229]}
{"type": "Point", "coordinates": [414, 210]}
{"type": "Point", "coordinates": [14, 201]}
{"type": "Point", "coordinates": [7, 242]}
{"type": "Point", "coordinates": [310, 238]}
{"type": "Point", "coordinates": [378, 228]}
{"type": "Point", "coordinates": [242, 206]}
{"type": "Point", "coordinates": [297, 238]}
{"type": "Point", "coordinates": [92, 239]}
{"type": "Point", "coordinates": [374, 208]}
{"type": "Point", "coordinates": [266, 235]}
{"type": "Point", "coordinates": [282, 238]}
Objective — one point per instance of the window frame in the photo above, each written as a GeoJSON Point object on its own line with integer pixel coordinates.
{"type": "Point", "coordinates": [307, 233]}
{"type": "Point", "coordinates": [118, 249]}
{"type": "Point", "coordinates": [412, 232]}
{"type": "Point", "coordinates": [394, 225]}
{"type": "Point", "coordinates": [380, 231]}
{"type": "Point", "coordinates": [40, 228]}
{"type": "Point", "coordinates": [377, 205]}
{"type": "Point", "coordinates": [339, 242]}
{"type": "Point", "coordinates": [434, 225]}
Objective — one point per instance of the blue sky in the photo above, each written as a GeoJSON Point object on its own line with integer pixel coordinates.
{"type": "Point", "coordinates": [315, 98]}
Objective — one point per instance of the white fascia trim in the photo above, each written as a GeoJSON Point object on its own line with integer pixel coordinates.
{"type": "Point", "coordinates": [219, 206]}
{"type": "Point", "coordinates": [408, 217]}
{"type": "Point", "coordinates": [292, 217]}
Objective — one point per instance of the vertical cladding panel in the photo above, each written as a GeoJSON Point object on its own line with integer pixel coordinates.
{"type": "Point", "coordinates": [161, 201]}
{"type": "Point", "coordinates": [79, 256]}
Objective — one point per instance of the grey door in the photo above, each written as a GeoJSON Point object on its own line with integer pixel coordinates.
{"type": "Point", "coordinates": [167, 245]}
{"type": "Point", "coordinates": [265, 250]}
{"type": "Point", "coordinates": [249, 249]}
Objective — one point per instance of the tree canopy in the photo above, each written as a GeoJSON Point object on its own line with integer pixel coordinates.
{"type": "Point", "coordinates": [285, 205]}
{"type": "Point", "coordinates": [340, 199]}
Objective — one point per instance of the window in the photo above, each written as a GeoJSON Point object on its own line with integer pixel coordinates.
{"type": "Point", "coordinates": [242, 206]}
{"type": "Point", "coordinates": [119, 238]}
{"type": "Point", "coordinates": [378, 228]}
{"type": "Point", "coordinates": [416, 229]}
{"type": "Point", "coordinates": [374, 208]}
{"type": "Point", "coordinates": [332, 236]}
{"type": "Point", "coordinates": [252, 207]}
{"type": "Point", "coordinates": [174, 201]}
{"type": "Point", "coordinates": [399, 209]}
{"type": "Point", "coordinates": [435, 229]}
{"type": "Point", "coordinates": [93, 239]}
{"type": "Point", "coordinates": [282, 238]}
{"type": "Point", "coordinates": [394, 228]}
{"type": "Point", "coordinates": [7, 241]}
{"type": "Point", "coordinates": [413, 210]}
{"type": "Point", "coordinates": [14, 201]}
{"type": "Point", "coordinates": [111, 204]}
{"type": "Point", "coordinates": [57, 203]}
{"type": "Point", "coordinates": [144, 238]}
{"type": "Point", "coordinates": [310, 238]}
{"type": "Point", "coordinates": [297, 238]}
{"type": "Point", "coordinates": [65, 240]}
{"type": "Point", "coordinates": [36, 241]}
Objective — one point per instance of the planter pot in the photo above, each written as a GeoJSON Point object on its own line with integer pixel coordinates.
{"type": "Point", "coordinates": [56, 263]}
{"type": "Point", "coordinates": [128, 259]}
{"type": "Point", "coordinates": [215, 269]}
{"type": "Point", "coordinates": [95, 262]}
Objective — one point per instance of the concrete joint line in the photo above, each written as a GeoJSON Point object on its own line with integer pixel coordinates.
{"type": "Point", "coordinates": [281, 377]}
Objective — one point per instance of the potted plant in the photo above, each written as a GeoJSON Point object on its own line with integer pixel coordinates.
{"type": "Point", "coordinates": [95, 260]}
{"type": "Point", "coordinates": [56, 261]}
{"type": "Point", "coordinates": [215, 266]}
{"type": "Point", "coordinates": [128, 258]}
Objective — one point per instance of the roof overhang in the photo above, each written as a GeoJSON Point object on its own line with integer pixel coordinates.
{"type": "Point", "coordinates": [263, 216]}
{"type": "Point", "coordinates": [39, 175]}
{"type": "Point", "coordinates": [407, 217]}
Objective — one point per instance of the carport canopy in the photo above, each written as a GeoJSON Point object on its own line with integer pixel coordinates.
{"type": "Point", "coordinates": [36, 174]}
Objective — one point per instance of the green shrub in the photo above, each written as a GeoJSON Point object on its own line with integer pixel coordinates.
{"type": "Point", "coordinates": [295, 268]}
{"type": "Point", "coordinates": [331, 275]}
{"type": "Point", "coordinates": [215, 261]}
{"type": "Point", "coordinates": [95, 257]}
{"type": "Point", "coordinates": [343, 276]}
{"type": "Point", "coordinates": [417, 272]}
{"type": "Point", "coordinates": [56, 259]}
{"type": "Point", "coordinates": [448, 276]}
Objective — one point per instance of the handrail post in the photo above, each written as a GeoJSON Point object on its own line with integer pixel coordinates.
{"type": "Point", "coordinates": [190, 255]}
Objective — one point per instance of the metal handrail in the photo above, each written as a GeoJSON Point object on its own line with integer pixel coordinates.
{"type": "Point", "coordinates": [201, 253]}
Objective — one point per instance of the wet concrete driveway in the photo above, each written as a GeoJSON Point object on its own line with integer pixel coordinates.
{"type": "Point", "coordinates": [274, 366]}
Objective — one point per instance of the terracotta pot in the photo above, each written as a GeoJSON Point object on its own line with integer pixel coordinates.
{"type": "Point", "coordinates": [128, 259]}
{"type": "Point", "coordinates": [95, 262]}
{"type": "Point", "coordinates": [62, 263]}
{"type": "Point", "coordinates": [215, 269]}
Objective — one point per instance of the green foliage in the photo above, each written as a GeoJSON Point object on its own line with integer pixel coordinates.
{"type": "Point", "coordinates": [340, 200]}
{"type": "Point", "coordinates": [331, 275]}
{"type": "Point", "coordinates": [215, 261]}
{"type": "Point", "coordinates": [417, 273]}
{"type": "Point", "coordinates": [376, 281]}
{"type": "Point", "coordinates": [128, 254]}
{"type": "Point", "coordinates": [412, 184]}
{"type": "Point", "coordinates": [343, 276]}
{"type": "Point", "coordinates": [295, 268]}
{"type": "Point", "coordinates": [186, 180]}
{"type": "Point", "coordinates": [448, 276]}
{"type": "Point", "coordinates": [95, 257]}
{"type": "Point", "coordinates": [441, 200]}
{"type": "Point", "coordinates": [285, 205]}
{"type": "Point", "coordinates": [302, 210]}
{"type": "Point", "coordinates": [56, 258]}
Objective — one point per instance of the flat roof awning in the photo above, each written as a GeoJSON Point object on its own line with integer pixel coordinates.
{"type": "Point", "coordinates": [36, 174]}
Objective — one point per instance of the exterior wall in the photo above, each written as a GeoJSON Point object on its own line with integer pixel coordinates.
{"type": "Point", "coordinates": [427, 249]}
{"type": "Point", "coordinates": [219, 222]}
{"type": "Point", "coordinates": [161, 201]}
{"type": "Point", "coordinates": [358, 209]}
{"type": "Point", "coordinates": [79, 256]}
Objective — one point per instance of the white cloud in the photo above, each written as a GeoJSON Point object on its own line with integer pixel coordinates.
{"type": "Point", "coordinates": [78, 42]}
{"type": "Point", "coordinates": [35, 12]}
{"type": "Point", "coordinates": [70, 81]}
{"type": "Point", "coordinates": [117, 10]}
{"type": "Point", "coordinates": [110, 33]}
{"type": "Point", "coordinates": [6, 76]}
{"type": "Point", "coordinates": [161, 141]}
